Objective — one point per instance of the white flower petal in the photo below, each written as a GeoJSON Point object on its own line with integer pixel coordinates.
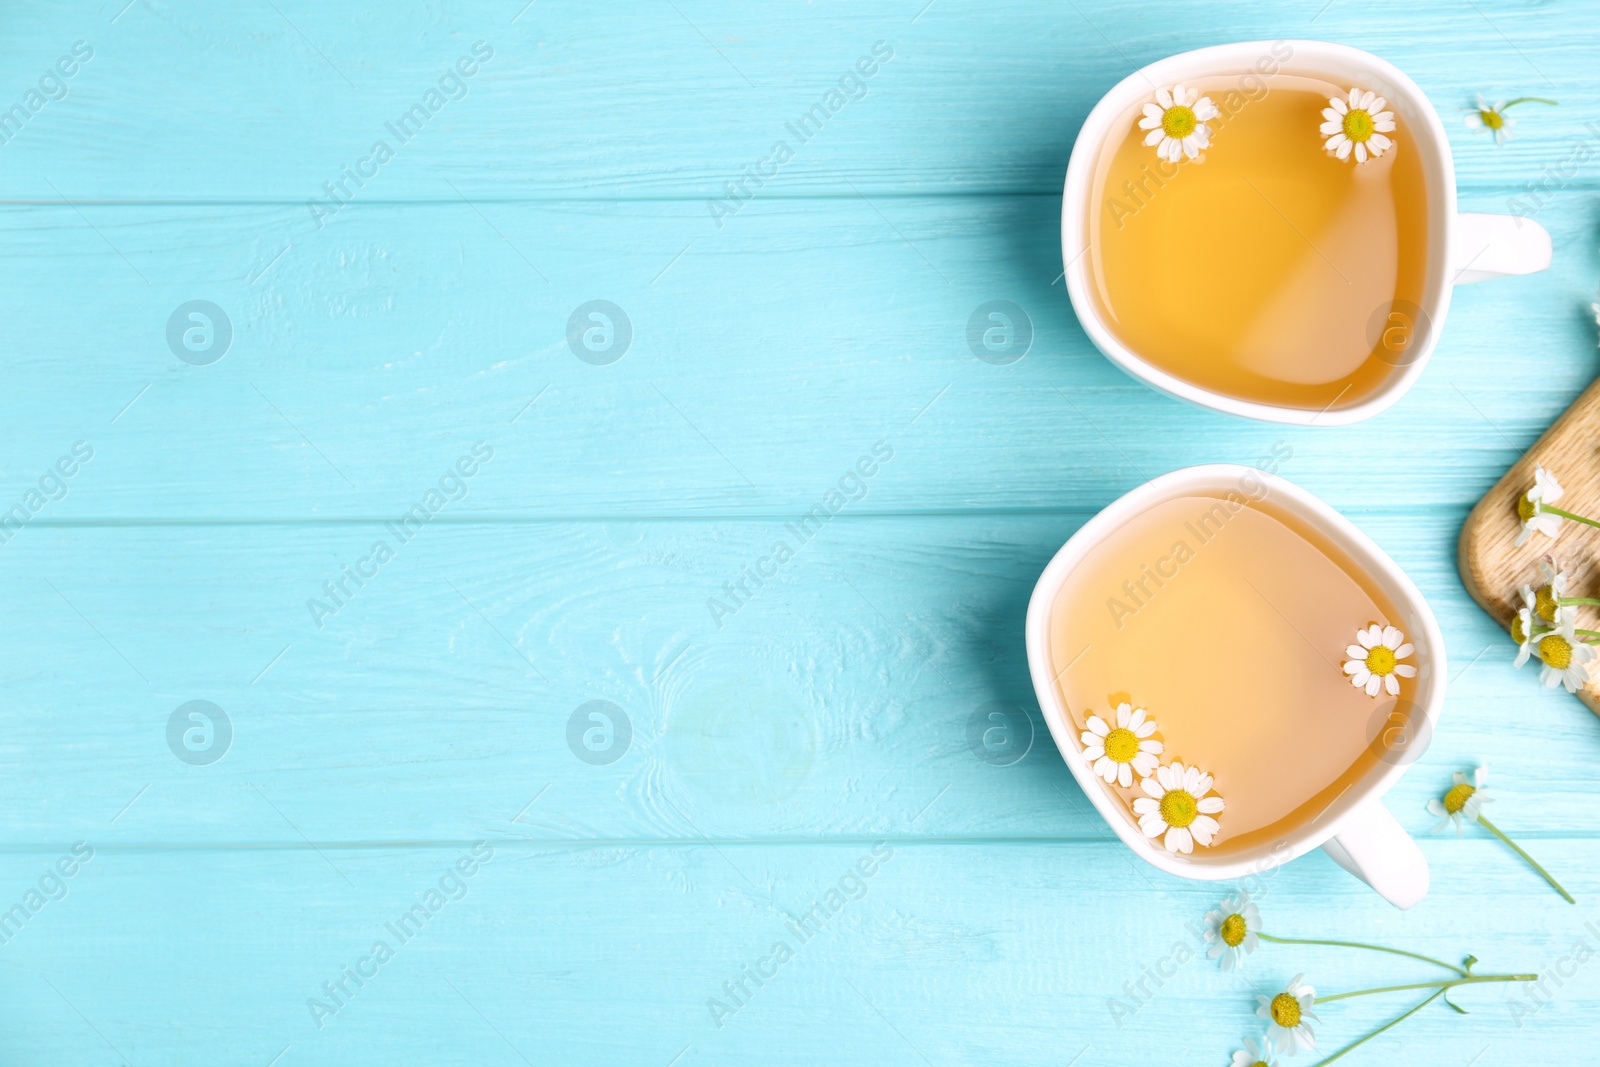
{"type": "Point", "coordinates": [1178, 840]}
{"type": "Point", "coordinates": [1211, 805]}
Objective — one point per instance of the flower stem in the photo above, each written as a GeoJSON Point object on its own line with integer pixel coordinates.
{"type": "Point", "coordinates": [1552, 509]}
{"type": "Point", "coordinates": [1440, 986]}
{"type": "Point", "coordinates": [1528, 100]}
{"type": "Point", "coordinates": [1391, 1023]}
{"type": "Point", "coordinates": [1578, 600]}
{"type": "Point", "coordinates": [1495, 830]}
{"type": "Point", "coordinates": [1359, 944]}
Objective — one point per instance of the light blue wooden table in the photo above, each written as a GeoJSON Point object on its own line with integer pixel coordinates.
{"type": "Point", "coordinates": [407, 753]}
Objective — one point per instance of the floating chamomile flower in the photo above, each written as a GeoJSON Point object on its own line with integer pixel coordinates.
{"type": "Point", "coordinates": [1177, 122]}
{"type": "Point", "coordinates": [1113, 751]}
{"type": "Point", "coordinates": [1231, 930]}
{"type": "Point", "coordinates": [1287, 1014]}
{"type": "Point", "coordinates": [1358, 124]}
{"type": "Point", "coordinates": [1177, 807]}
{"type": "Point", "coordinates": [1375, 665]}
{"type": "Point", "coordinates": [1461, 802]}
{"type": "Point", "coordinates": [1565, 658]}
{"type": "Point", "coordinates": [1253, 1055]}
{"type": "Point", "coordinates": [1546, 490]}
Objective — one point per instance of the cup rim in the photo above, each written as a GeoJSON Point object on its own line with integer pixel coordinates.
{"type": "Point", "coordinates": [1223, 477]}
{"type": "Point", "coordinates": [1439, 167]}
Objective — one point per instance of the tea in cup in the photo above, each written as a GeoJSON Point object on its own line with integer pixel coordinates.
{"type": "Point", "coordinates": [1270, 229]}
{"type": "Point", "coordinates": [1235, 673]}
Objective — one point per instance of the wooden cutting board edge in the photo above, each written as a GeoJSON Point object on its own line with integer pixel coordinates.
{"type": "Point", "coordinates": [1494, 569]}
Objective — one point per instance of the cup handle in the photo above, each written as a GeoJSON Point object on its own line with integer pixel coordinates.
{"type": "Point", "coordinates": [1493, 246]}
{"type": "Point", "coordinates": [1373, 847]}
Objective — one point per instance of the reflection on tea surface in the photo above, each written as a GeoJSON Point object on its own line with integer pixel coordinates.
{"type": "Point", "coordinates": [1267, 268]}
{"type": "Point", "coordinates": [1228, 620]}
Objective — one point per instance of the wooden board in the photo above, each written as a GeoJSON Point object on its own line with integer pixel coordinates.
{"type": "Point", "coordinates": [1494, 568]}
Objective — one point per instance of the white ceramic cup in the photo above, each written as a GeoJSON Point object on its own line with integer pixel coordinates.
{"type": "Point", "coordinates": [1356, 830]}
{"type": "Point", "coordinates": [1464, 247]}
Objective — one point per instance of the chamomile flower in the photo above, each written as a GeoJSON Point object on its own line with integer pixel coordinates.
{"type": "Point", "coordinates": [1254, 1055]}
{"type": "Point", "coordinates": [1461, 802]}
{"type": "Point", "coordinates": [1117, 752]}
{"type": "Point", "coordinates": [1547, 598]}
{"type": "Point", "coordinates": [1286, 1015]}
{"type": "Point", "coordinates": [1566, 659]}
{"type": "Point", "coordinates": [1524, 630]}
{"type": "Point", "coordinates": [1176, 808]}
{"type": "Point", "coordinates": [1546, 490]}
{"type": "Point", "coordinates": [1177, 122]}
{"type": "Point", "coordinates": [1231, 929]}
{"type": "Point", "coordinates": [1357, 124]}
{"type": "Point", "coordinates": [1492, 118]}
{"type": "Point", "coordinates": [1375, 660]}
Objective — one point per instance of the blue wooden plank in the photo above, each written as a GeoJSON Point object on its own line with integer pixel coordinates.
{"type": "Point", "coordinates": [366, 360]}
{"type": "Point", "coordinates": [435, 703]}
{"type": "Point", "coordinates": [986, 953]}
{"type": "Point", "coordinates": [250, 101]}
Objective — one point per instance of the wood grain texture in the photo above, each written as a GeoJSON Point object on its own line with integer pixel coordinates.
{"type": "Point", "coordinates": [367, 358]}
{"type": "Point", "coordinates": [1494, 568]}
{"type": "Point", "coordinates": [244, 101]}
{"type": "Point", "coordinates": [374, 347]}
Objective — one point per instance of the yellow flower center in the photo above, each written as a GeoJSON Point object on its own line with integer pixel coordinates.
{"type": "Point", "coordinates": [1492, 119]}
{"type": "Point", "coordinates": [1526, 508]}
{"type": "Point", "coordinates": [1286, 1011]}
{"type": "Point", "coordinates": [1358, 125]}
{"type": "Point", "coordinates": [1457, 798]}
{"type": "Point", "coordinates": [1554, 650]}
{"type": "Point", "coordinates": [1519, 633]}
{"type": "Point", "coordinates": [1178, 122]}
{"type": "Point", "coordinates": [1178, 808]}
{"type": "Point", "coordinates": [1381, 660]}
{"type": "Point", "coordinates": [1122, 745]}
{"type": "Point", "coordinates": [1232, 930]}
{"type": "Point", "coordinates": [1544, 602]}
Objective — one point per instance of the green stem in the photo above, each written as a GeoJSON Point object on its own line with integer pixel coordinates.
{"type": "Point", "coordinates": [1379, 1030]}
{"type": "Point", "coordinates": [1495, 830]}
{"type": "Point", "coordinates": [1578, 600]}
{"type": "Point", "coordinates": [1359, 944]}
{"type": "Point", "coordinates": [1586, 633]}
{"type": "Point", "coordinates": [1440, 986]}
{"type": "Point", "coordinates": [1528, 100]}
{"type": "Point", "coordinates": [1552, 509]}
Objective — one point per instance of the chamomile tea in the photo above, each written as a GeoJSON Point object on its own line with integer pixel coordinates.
{"type": "Point", "coordinates": [1268, 243]}
{"type": "Point", "coordinates": [1230, 672]}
